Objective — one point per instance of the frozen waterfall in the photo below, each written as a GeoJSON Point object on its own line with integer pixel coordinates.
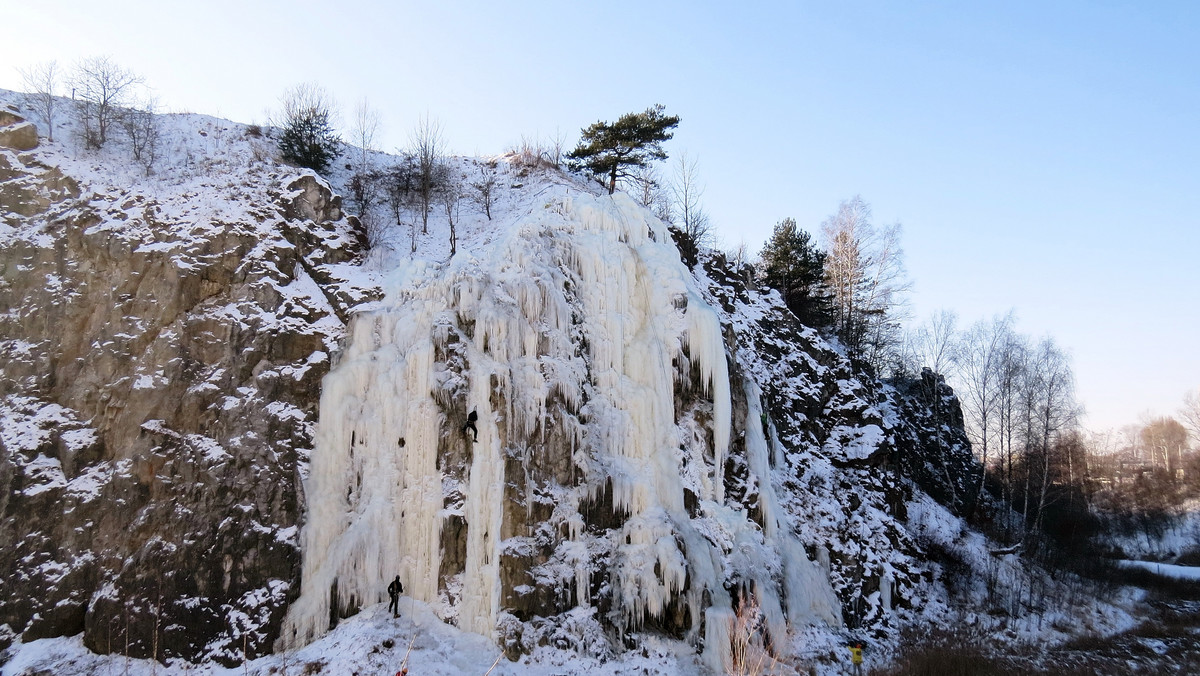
{"type": "Point", "coordinates": [569, 337]}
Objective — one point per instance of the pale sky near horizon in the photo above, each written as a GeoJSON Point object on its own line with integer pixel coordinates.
{"type": "Point", "coordinates": [1042, 157]}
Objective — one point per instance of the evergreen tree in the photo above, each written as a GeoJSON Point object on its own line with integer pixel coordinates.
{"type": "Point", "coordinates": [615, 151]}
{"type": "Point", "coordinates": [792, 265]}
{"type": "Point", "coordinates": [308, 139]}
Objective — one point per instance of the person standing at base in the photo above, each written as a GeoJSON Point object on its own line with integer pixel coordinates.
{"type": "Point", "coordinates": [856, 658]}
{"type": "Point", "coordinates": [395, 589]}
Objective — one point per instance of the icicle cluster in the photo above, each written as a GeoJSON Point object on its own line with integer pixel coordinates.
{"type": "Point", "coordinates": [584, 299]}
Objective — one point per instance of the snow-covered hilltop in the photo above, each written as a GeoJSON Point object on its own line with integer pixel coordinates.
{"type": "Point", "coordinates": [226, 423]}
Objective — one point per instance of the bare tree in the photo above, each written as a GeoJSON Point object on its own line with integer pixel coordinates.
{"type": "Point", "coordinates": [144, 130]}
{"type": "Point", "coordinates": [556, 147]}
{"type": "Point", "coordinates": [884, 300]}
{"type": "Point", "coordinates": [451, 195]}
{"type": "Point", "coordinates": [364, 191]}
{"type": "Point", "coordinates": [1056, 411]}
{"type": "Point", "coordinates": [644, 186]}
{"type": "Point", "coordinates": [979, 358]}
{"type": "Point", "coordinates": [738, 254]}
{"type": "Point", "coordinates": [41, 80]}
{"type": "Point", "coordinates": [1013, 413]}
{"type": "Point", "coordinates": [685, 201]}
{"type": "Point", "coordinates": [844, 236]}
{"type": "Point", "coordinates": [1189, 414]}
{"type": "Point", "coordinates": [486, 187]}
{"type": "Point", "coordinates": [864, 269]}
{"type": "Point", "coordinates": [933, 344]}
{"type": "Point", "coordinates": [428, 148]}
{"type": "Point", "coordinates": [365, 182]}
{"type": "Point", "coordinates": [1166, 440]}
{"type": "Point", "coordinates": [101, 88]}
{"type": "Point", "coordinates": [364, 132]}
{"type": "Point", "coordinates": [398, 183]}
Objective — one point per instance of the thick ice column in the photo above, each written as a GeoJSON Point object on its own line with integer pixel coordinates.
{"type": "Point", "coordinates": [373, 490]}
{"type": "Point", "coordinates": [483, 511]}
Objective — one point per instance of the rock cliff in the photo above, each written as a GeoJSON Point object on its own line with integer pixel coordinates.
{"type": "Point", "coordinates": [162, 359]}
{"type": "Point", "coordinates": [663, 449]}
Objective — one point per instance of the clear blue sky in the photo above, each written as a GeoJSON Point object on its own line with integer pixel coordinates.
{"type": "Point", "coordinates": [1041, 156]}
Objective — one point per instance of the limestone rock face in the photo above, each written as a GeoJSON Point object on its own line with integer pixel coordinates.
{"type": "Point", "coordinates": [15, 132]}
{"type": "Point", "coordinates": [162, 358]}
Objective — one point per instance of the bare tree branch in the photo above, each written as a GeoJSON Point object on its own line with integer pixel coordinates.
{"type": "Point", "coordinates": [41, 80]}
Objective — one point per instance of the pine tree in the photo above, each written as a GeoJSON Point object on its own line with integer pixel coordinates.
{"type": "Point", "coordinates": [308, 139]}
{"type": "Point", "coordinates": [615, 151]}
{"type": "Point", "coordinates": [792, 265]}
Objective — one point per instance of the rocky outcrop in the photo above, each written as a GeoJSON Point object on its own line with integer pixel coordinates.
{"type": "Point", "coordinates": [934, 451]}
{"type": "Point", "coordinates": [835, 432]}
{"type": "Point", "coordinates": [29, 188]}
{"type": "Point", "coordinates": [15, 132]}
{"type": "Point", "coordinates": [162, 359]}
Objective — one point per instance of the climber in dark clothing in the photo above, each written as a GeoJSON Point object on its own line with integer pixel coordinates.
{"type": "Point", "coordinates": [395, 589]}
{"type": "Point", "coordinates": [471, 425]}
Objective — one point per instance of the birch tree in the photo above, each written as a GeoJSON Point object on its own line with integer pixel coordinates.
{"type": "Point", "coordinates": [1056, 410]}
{"type": "Point", "coordinates": [864, 270]}
{"type": "Point", "coordinates": [978, 358]}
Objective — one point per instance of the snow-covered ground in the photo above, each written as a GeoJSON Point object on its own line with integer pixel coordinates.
{"type": "Point", "coordinates": [1175, 535]}
{"type": "Point", "coordinates": [371, 642]}
{"type": "Point", "coordinates": [1165, 569]}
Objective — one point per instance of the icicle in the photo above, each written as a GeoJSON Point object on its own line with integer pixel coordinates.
{"type": "Point", "coordinates": [718, 634]}
{"type": "Point", "coordinates": [885, 591]}
{"type": "Point", "coordinates": [707, 345]}
{"type": "Point", "coordinates": [810, 598]}
{"type": "Point", "coordinates": [387, 522]}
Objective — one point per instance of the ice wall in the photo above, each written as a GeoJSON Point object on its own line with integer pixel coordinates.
{"type": "Point", "coordinates": [583, 298]}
